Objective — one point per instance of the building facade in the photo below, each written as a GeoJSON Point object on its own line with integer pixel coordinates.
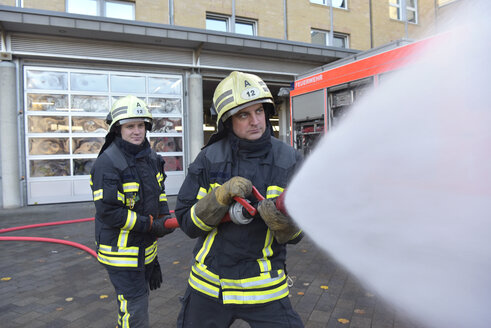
{"type": "Point", "coordinates": [64, 62]}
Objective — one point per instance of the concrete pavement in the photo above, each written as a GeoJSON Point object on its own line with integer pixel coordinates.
{"type": "Point", "coordinates": [54, 285]}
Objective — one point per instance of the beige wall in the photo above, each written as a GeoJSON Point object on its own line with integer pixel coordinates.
{"type": "Point", "coordinates": [55, 5]}
{"type": "Point", "coordinates": [153, 11]}
{"type": "Point", "coordinates": [7, 2]}
{"type": "Point", "coordinates": [302, 17]}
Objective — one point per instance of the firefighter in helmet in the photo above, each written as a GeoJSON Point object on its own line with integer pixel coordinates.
{"type": "Point", "coordinates": [127, 181]}
{"type": "Point", "coordinates": [239, 271]}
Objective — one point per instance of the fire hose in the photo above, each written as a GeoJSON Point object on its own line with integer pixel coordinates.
{"type": "Point", "coordinates": [241, 212]}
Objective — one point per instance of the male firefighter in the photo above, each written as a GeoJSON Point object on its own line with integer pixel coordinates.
{"type": "Point", "coordinates": [239, 271]}
{"type": "Point", "coordinates": [127, 181]}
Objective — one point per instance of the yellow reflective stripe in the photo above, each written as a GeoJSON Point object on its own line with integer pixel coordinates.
{"type": "Point", "coordinates": [214, 185]}
{"type": "Point", "coordinates": [160, 178]}
{"type": "Point", "coordinates": [130, 221]}
{"type": "Point", "coordinates": [90, 180]}
{"type": "Point", "coordinates": [261, 281]}
{"type": "Point", "coordinates": [205, 249]}
{"type": "Point", "coordinates": [296, 235]}
{"type": "Point", "coordinates": [127, 262]}
{"type": "Point", "coordinates": [162, 197]}
{"type": "Point", "coordinates": [125, 230]}
{"type": "Point", "coordinates": [151, 253]}
{"type": "Point", "coordinates": [255, 297]}
{"type": "Point", "coordinates": [124, 321]}
{"type": "Point", "coordinates": [98, 194]}
{"type": "Point", "coordinates": [118, 256]}
{"type": "Point", "coordinates": [197, 221]}
{"type": "Point", "coordinates": [201, 193]}
{"type": "Point", "coordinates": [121, 197]}
{"type": "Point", "coordinates": [264, 262]}
{"type": "Point", "coordinates": [203, 287]}
{"type": "Point", "coordinates": [130, 187]}
{"type": "Point", "coordinates": [129, 251]}
{"type": "Point", "coordinates": [200, 270]}
{"type": "Point", "coordinates": [274, 191]}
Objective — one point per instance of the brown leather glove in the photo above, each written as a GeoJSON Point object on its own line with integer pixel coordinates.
{"type": "Point", "coordinates": [211, 208]}
{"type": "Point", "coordinates": [282, 226]}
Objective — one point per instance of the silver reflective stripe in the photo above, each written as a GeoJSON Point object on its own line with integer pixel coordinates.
{"type": "Point", "coordinates": [264, 263]}
{"type": "Point", "coordinates": [253, 282]}
{"type": "Point", "coordinates": [249, 297]}
{"type": "Point", "coordinates": [200, 271]}
{"type": "Point", "coordinates": [203, 287]}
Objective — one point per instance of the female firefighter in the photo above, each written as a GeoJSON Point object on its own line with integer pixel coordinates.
{"type": "Point", "coordinates": [127, 181]}
{"type": "Point", "coordinates": [239, 270]}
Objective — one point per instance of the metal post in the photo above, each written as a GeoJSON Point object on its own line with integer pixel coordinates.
{"type": "Point", "coordinates": [232, 19]}
{"type": "Point", "coordinates": [331, 32]}
{"type": "Point", "coordinates": [171, 12]}
{"type": "Point", "coordinates": [285, 19]}
{"type": "Point", "coordinates": [404, 17]}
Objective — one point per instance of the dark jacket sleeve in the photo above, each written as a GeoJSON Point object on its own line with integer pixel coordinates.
{"type": "Point", "coordinates": [195, 186]}
{"type": "Point", "coordinates": [108, 197]}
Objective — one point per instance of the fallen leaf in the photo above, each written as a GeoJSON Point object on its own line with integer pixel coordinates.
{"type": "Point", "coordinates": [5, 278]}
{"type": "Point", "coordinates": [343, 321]}
{"type": "Point", "coordinates": [300, 293]}
{"type": "Point", "coordinates": [175, 262]}
{"type": "Point", "coordinates": [360, 311]}
{"type": "Point", "coordinates": [103, 297]}
{"type": "Point", "coordinates": [304, 251]}
{"type": "Point", "coordinates": [59, 309]}
{"type": "Point", "coordinates": [306, 283]}
{"type": "Point", "coordinates": [69, 299]}
{"type": "Point", "coordinates": [324, 287]}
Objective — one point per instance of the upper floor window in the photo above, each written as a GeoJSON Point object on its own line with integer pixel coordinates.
{"type": "Point", "coordinates": [335, 3]}
{"type": "Point", "coordinates": [411, 13]}
{"type": "Point", "coordinates": [105, 8]}
{"type": "Point", "coordinates": [222, 23]}
{"type": "Point", "coordinates": [340, 40]}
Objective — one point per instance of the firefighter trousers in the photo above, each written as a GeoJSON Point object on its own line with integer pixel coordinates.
{"type": "Point", "coordinates": [199, 311]}
{"type": "Point", "coordinates": [132, 291]}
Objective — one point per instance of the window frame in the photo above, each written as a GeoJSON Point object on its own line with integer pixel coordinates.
{"type": "Point", "coordinates": [326, 3]}
{"type": "Point", "coordinates": [408, 8]}
{"type": "Point", "coordinates": [101, 8]}
{"type": "Point", "coordinates": [227, 20]}
{"type": "Point", "coordinates": [338, 35]}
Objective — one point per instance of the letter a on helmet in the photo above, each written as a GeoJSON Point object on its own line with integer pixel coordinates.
{"type": "Point", "coordinates": [128, 109]}
{"type": "Point", "coordinates": [237, 91]}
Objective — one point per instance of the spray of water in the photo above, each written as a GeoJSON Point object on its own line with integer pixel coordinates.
{"type": "Point", "coordinates": [400, 192]}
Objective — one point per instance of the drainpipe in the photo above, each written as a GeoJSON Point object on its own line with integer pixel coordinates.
{"type": "Point", "coordinates": [285, 19]}
{"type": "Point", "coordinates": [371, 23]}
{"type": "Point", "coordinates": [171, 12]}
{"type": "Point", "coordinates": [331, 32]}
{"type": "Point", "coordinates": [232, 19]}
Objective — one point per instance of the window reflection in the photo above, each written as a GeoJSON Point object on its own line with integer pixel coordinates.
{"type": "Point", "coordinates": [87, 145]}
{"type": "Point", "coordinates": [49, 168]}
{"type": "Point", "coordinates": [47, 102]}
{"type": "Point", "coordinates": [167, 125]}
{"type": "Point", "coordinates": [98, 104]}
{"type": "Point", "coordinates": [44, 124]}
{"type": "Point", "coordinates": [82, 166]}
{"type": "Point", "coordinates": [128, 84]}
{"type": "Point", "coordinates": [164, 85]}
{"type": "Point", "coordinates": [88, 82]}
{"type": "Point", "coordinates": [87, 124]}
{"type": "Point", "coordinates": [166, 144]}
{"type": "Point", "coordinates": [47, 80]}
{"type": "Point", "coordinates": [164, 106]}
{"type": "Point", "coordinates": [48, 146]}
{"type": "Point", "coordinates": [173, 163]}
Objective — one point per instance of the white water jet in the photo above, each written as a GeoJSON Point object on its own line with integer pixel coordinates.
{"type": "Point", "coordinates": [400, 192]}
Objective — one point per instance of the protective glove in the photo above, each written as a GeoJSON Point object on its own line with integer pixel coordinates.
{"type": "Point", "coordinates": [156, 276]}
{"type": "Point", "coordinates": [211, 208]}
{"type": "Point", "coordinates": [282, 226]}
{"type": "Point", "coordinates": [157, 226]}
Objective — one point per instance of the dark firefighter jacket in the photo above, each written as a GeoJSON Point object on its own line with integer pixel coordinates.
{"type": "Point", "coordinates": [237, 264]}
{"type": "Point", "coordinates": [127, 182]}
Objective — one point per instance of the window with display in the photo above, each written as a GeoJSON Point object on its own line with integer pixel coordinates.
{"type": "Point", "coordinates": [66, 111]}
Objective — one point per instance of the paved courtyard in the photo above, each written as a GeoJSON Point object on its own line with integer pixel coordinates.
{"type": "Point", "coordinates": [54, 285]}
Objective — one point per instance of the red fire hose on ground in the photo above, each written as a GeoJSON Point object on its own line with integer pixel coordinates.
{"type": "Point", "coordinates": [241, 212]}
